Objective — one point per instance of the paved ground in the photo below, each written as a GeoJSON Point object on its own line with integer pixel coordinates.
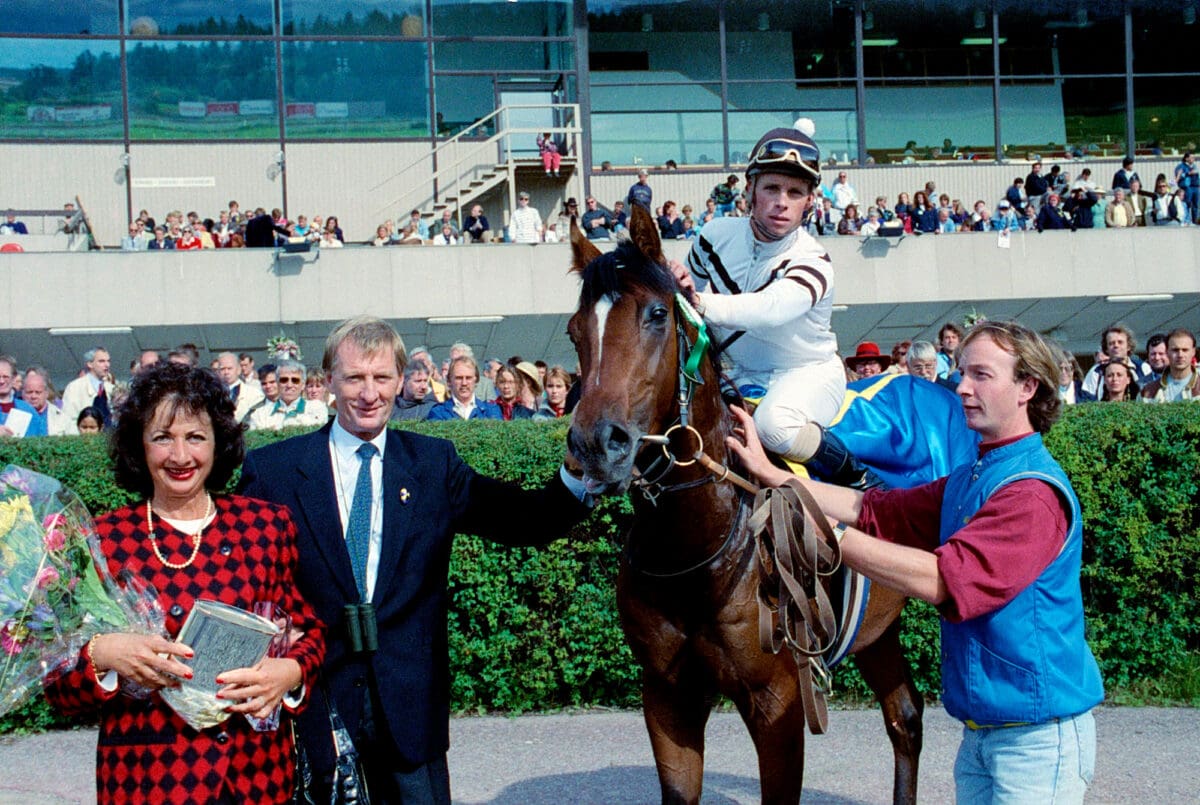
{"type": "Point", "coordinates": [1147, 755]}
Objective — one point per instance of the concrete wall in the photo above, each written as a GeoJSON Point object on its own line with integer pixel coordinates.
{"type": "Point", "coordinates": [512, 299]}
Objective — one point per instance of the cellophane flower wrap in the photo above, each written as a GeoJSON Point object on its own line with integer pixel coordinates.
{"type": "Point", "coordinates": [55, 588]}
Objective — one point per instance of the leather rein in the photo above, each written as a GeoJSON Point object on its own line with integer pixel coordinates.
{"type": "Point", "coordinates": [795, 551]}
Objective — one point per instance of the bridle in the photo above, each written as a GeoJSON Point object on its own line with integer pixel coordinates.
{"type": "Point", "coordinates": [651, 481]}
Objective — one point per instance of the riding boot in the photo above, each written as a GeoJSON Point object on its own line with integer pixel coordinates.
{"type": "Point", "coordinates": [834, 463]}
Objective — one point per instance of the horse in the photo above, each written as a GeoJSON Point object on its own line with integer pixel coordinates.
{"type": "Point", "coordinates": [686, 587]}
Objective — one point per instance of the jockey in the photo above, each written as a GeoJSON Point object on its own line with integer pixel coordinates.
{"type": "Point", "coordinates": [765, 288]}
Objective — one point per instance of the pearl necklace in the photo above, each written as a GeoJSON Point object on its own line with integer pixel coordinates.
{"type": "Point", "coordinates": [208, 511]}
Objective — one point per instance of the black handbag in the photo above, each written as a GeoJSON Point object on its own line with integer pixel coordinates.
{"type": "Point", "coordinates": [349, 781]}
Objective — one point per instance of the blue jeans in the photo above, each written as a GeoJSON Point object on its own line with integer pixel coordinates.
{"type": "Point", "coordinates": [1042, 763]}
{"type": "Point", "coordinates": [1191, 196]}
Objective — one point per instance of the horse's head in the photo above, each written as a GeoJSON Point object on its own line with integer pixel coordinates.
{"type": "Point", "coordinates": [627, 338]}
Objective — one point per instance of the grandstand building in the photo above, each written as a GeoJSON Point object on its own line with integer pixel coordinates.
{"type": "Point", "coordinates": [367, 109]}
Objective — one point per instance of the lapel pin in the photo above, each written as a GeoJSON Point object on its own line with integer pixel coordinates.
{"type": "Point", "coordinates": [404, 496]}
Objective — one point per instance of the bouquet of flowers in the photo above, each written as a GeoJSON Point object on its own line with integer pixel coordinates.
{"type": "Point", "coordinates": [55, 588]}
{"type": "Point", "coordinates": [283, 347]}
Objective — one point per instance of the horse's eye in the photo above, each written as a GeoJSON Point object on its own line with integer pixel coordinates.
{"type": "Point", "coordinates": [658, 313]}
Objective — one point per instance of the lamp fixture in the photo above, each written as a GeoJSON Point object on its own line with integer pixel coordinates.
{"type": "Point", "coordinates": [981, 40]}
{"type": "Point", "coordinates": [880, 43]}
{"type": "Point", "coordinates": [436, 320]}
{"type": "Point", "coordinates": [69, 331]}
{"type": "Point", "coordinates": [1139, 297]}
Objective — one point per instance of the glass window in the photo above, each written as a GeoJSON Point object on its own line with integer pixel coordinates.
{"type": "Point", "coordinates": [1074, 117]}
{"type": "Point", "coordinates": [353, 17]}
{"type": "Point", "coordinates": [674, 40]}
{"type": "Point", "coordinates": [60, 89]}
{"type": "Point", "coordinates": [235, 99]}
{"type": "Point", "coordinates": [930, 121]}
{"type": "Point", "coordinates": [898, 43]}
{"type": "Point", "coordinates": [649, 125]}
{"type": "Point", "coordinates": [796, 41]}
{"type": "Point", "coordinates": [757, 108]}
{"type": "Point", "coordinates": [462, 100]}
{"type": "Point", "coordinates": [371, 88]}
{"type": "Point", "coordinates": [1058, 37]}
{"type": "Point", "coordinates": [69, 17]}
{"type": "Point", "coordinates": [1162, 33]}
{"type": "Point", "coordinates": [1166, 116]}
{"type": "Point", "coordinates": [528, 55]}
{"type": "Point", "coordinates": [156, 18]}
{"type": "Point", "coordinates": [502, 18]}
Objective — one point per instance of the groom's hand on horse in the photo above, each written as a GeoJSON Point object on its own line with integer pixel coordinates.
{"type": "Point", "coordinates": [683, 278]}
{"type": "Point", "coordinates": [745, 445]}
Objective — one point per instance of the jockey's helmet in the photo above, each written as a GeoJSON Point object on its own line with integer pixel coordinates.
{"type": "Point", "coordinates": [790, 151]}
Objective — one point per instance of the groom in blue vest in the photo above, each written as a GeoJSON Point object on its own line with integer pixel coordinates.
{"type": "Point", "coordinates": [996, 547]}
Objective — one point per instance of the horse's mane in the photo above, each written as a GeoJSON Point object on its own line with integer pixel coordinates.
{"type": "Point", "coordinates": [621, 270]}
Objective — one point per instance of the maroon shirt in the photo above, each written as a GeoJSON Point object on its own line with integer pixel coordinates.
{"type": "Point", "coordinates": [1013, 537]}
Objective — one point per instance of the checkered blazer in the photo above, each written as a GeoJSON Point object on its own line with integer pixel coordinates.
{"type": "Point", "coordinates": [146, 752]}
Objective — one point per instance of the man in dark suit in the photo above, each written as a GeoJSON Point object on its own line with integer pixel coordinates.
{"type": "Point", "coordinates": [375, 513]}
{"type": "Point", "coordinates": [261, 229]}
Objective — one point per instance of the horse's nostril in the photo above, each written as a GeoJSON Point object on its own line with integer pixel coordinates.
{"type": "Point", "coordinates": [617, 440]}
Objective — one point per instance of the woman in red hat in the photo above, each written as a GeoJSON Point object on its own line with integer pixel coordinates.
{"type": "Point", "coordinates": [867, 361]}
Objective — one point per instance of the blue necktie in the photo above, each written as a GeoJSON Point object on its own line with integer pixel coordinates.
{"type": "Point", "coordinates": [358, 531]}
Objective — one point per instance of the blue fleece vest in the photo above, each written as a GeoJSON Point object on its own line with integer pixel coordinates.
{"type": "Point", "coordinates": [1027, 662]}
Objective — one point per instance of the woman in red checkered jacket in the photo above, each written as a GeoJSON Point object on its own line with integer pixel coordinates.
{"type": "Point", "coordinates": [176, 445]}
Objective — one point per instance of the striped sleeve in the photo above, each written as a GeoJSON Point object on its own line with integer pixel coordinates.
{"type": "Point", "coordinates": [787, 297]}
{"type": "Point", "coordinates": [697, 262]}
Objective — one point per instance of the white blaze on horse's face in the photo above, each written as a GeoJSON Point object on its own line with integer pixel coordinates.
{"type": "Point", "coordinates": [601, 309]}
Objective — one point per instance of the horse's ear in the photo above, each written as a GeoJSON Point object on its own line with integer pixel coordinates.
{"type": "Point", "coordinates": [643, 231]}
{"type": "Point", "coordinates": [584, 250]}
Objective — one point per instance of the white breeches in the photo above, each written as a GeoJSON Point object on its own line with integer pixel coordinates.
{"type": "Point", "coordinates": [796, 397]}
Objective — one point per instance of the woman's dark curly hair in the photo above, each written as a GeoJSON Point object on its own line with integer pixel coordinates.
{"type": "Point", "coordinates": [187, 389]}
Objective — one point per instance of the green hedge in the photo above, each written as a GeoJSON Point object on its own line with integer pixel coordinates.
{"type": "Point", "coordinates": [536, 628]}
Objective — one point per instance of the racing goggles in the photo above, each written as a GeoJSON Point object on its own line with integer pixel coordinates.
{"type": "Point", "coordinates": [779, 151]}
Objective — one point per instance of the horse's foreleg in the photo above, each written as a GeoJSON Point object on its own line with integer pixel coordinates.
{"type": "Point", "coordinates": [775, 718]}
{"type": "Point", "coordinates": [885, 669]}
{"type": "Point", "coordinates": [676, 714]}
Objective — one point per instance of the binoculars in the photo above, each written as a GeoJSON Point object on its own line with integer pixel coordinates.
{"type": "Point", "coordinates": [360, 627]}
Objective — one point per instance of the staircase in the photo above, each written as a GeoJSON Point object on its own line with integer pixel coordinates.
{"type": "Point", "coordinates": [487, 154]}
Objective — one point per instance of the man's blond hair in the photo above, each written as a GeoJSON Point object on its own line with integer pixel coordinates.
{"type": "Point", "coordinates": [370, 335]}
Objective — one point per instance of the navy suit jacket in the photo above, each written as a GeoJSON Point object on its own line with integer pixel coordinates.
{"type": "Point", "coordinates": [430, 494]}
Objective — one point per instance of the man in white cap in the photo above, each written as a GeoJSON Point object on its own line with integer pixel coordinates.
{"type": "Point", "coordinates": [641, 193]}
{"type": "Point", "coordinates": [765, 286]}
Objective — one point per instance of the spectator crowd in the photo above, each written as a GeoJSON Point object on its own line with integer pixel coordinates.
{"type": "Point", "coordinates": [232, 229]}
{"type": "Point", "coordinates": [285, 392]}
{"type": "Point", "coordinates": [1168, 372]}
{"type": "Point", "coordinates": [1037, 201]}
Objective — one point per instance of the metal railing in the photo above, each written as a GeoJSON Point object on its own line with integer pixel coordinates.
{"type": "Point", "coordinates": [454, 166]}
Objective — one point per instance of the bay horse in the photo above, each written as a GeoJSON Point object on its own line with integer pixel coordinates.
{"type": "Point", "coordinates": [686, 588]}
